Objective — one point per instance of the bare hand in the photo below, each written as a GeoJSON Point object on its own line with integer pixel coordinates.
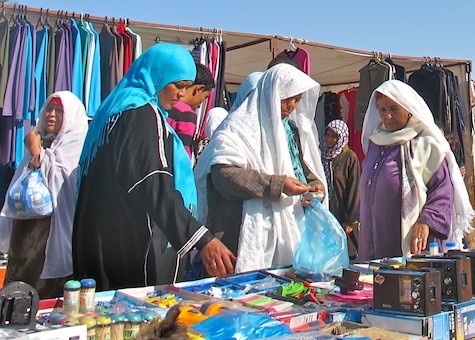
{"type": "Point", "coordinates": [462, 171]}
{"type": "Point", "coordinates": [294, 187]}
{"type": "Point", "coordinates": [33, 142]}
{"type": "Point", "coordinates": [217, 258]}
{"type": "Point", "coordinates": [420, 234]}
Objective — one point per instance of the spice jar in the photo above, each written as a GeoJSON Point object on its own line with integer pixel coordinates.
{"type": "Point", "coordinates": [87, 296]}
{"type": "Point", "coordinates": [71, 297]}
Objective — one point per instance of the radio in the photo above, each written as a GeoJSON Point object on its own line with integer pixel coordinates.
{"type": "Point", "coordinates": [470, 253]}
{"type": "Point", "coordinates": [456, 275]}
{"type": "Point", "coordinates": [406, 291]}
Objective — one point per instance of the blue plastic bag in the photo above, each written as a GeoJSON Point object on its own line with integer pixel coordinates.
{"type": "Point", "coordinates": [28, 197]}
{"type": "Point", "coordinates": [237, 324]}
{"type": "Point", "coordinates": [323, 249]}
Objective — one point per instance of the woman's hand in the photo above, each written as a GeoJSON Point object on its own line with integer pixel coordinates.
{"type": "Point", "coordinates": [217, 258]}
{"type": "Point", "coordinates": [294, 187]}
{"type": "Point", "coordinates": [33, 142]}
{"type": "Point", "coordinates": [420, 234]}
{"type": "Point", "coordinates": [317, 190]}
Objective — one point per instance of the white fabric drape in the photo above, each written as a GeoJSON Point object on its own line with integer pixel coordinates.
{"type": "Point", "coordinates": [253, 137]}
{"type": "Point", "coordinates": [423, 165]}
{"type": "Point", "coordinates": [59, 167]}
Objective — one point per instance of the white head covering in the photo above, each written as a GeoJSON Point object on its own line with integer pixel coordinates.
{"type": "Point", "coordinates": [253, 137]}
{"type": "Point", "coordinates": [214, 117]}
{"type": "Point", "coordinates": [422, 119]}
{"type": "Point", "coordinates": [59, 167]}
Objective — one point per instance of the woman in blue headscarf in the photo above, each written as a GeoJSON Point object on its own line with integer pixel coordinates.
{"type": "Point", "coordinates": [136, 190]}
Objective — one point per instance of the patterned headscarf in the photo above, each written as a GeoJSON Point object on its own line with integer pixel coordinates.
{"type": "Point", "coordinates": [341, 129]}
{"type": "Point", "coordinates": [328, 154]}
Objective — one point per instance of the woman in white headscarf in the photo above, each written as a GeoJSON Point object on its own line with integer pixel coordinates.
{"type": "Point", "coordinates": [258, 164]}
{"type": "Point", "coordinates": [412, 192]}
{"type": "Point", "coordinates": [39, 250]}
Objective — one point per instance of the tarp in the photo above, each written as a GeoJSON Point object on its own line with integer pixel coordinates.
{"type": "Point", "coordinates": [335, 68]}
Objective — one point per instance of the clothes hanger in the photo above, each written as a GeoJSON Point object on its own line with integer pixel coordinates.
{"type": "Point", "coordinates": [291, 47]}
{"type": "Point", "coordinates": [40, 18]}
{"type": "Point", "coordinates": [177, 39]}
{"type": "Point", "coordinates": [3, 17]}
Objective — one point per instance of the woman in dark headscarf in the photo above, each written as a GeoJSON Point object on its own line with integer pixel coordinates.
{"type": "Point", "coordinates": [342, 171]}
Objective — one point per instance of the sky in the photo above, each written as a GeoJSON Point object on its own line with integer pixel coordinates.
{"type": "Point", "coordinates": [435, 28]}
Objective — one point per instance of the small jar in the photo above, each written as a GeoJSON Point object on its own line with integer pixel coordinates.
{"type": "Point", "coordinates": [132, 326]}
{"type": "Point", "coordinates": [87, 296]}
{"type": "Point", "coordinates": [434, 248]}
{"type": "Point", "coordinates": [71, 297]}
{"type": "Point", "coordinates": [450, 246]}
{"type": "Point", "coordinates": [117, 327]}
{"type": "Point", "coordinates": [103, 328]}
{"type": "Point", "coordinates": [91, 327]}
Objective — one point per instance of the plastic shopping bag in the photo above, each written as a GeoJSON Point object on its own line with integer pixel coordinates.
{"type": "Point", "coordinates": [323, 249]}
{"type": "Point", "coordinates": [28, 197]}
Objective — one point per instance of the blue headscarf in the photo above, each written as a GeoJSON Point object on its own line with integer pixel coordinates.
{"type": "Point", "coordinates": [246, 87]}
{"type": "Point", "coordinates": [157, 67]}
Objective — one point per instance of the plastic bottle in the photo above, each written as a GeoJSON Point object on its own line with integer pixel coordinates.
{"type": "Point", "coordinates": [87, 296]}
{"type": "Point", "coordinates": [71, 297]}
{"type": "Point", "coordinates": [434, 248]}
{"type": "Point", "coordinates": [450, 246]}
{"type": "Point", "coordinates": [103, 328]}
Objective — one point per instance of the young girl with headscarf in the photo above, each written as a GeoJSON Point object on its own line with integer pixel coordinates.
{"type": "Point", "coordinates": [342, 171]}
{"type": "Point", "coordinates": [412, 192]}
{"type": "Point", "coordinates": [39, 250]}
{"type": "Point", "coordinates": [258, 164]}
{"type": "Point", "coordinates": [137, 192]}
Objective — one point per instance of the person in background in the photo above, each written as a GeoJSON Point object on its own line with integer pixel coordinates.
{"type": "Point", "coordinates": [283, 59]}
{"type": "Point", "coordinates": [39, 250]}
{"type": "Point", "coordinates": [217, 114]}
{"type": "Point", "coordinates": [247, 86]}
{"type": "Point", "coordinates": [412, 192]}
{"type": "Point", "coordinates": [258, 164]}
{"type": "Point", "coordinates": [182, 117]}
{"type": "Point", "coordinates": [457, 150]}
{"type": "Point", "coordinates": [136, 195]}
{"type": "Point", "coordinates": [342, 171]}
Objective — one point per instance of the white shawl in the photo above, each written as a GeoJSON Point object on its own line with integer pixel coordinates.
{"type": "Point", "coordinates": [253, 137]}
{"type": "Point", "coordinates": [422, 165]}
{"type": "Point", "coordinates": [59, 167]}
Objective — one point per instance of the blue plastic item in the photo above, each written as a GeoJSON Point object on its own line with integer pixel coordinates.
{"type": "Point", "coordinates": [29, 197]}
{"type": "Point", "coordinates": [237, 324]}
{"type": "Point", "coordinates": [323, 248]}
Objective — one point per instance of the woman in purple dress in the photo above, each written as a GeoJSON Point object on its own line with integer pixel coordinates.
{"type": "Point", "coordinates": [411, 189]}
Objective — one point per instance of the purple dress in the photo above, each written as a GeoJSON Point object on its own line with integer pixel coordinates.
{"type": "Point", "coordinates": [380, 210]}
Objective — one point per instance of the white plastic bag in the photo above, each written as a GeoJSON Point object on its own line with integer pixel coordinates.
{"type": "Point", "coordinates": [28, 197]}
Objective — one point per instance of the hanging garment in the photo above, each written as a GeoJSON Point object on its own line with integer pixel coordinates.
{"type": "Point", "coordinates": [371, 76]}
{"type": "Point", "coordinates": [301, 56]}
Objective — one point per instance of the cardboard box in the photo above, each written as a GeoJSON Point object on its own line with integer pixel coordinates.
{"type": "Point", "coordinates": [352, 329]}
{"type": "Point", "coordinates": [439, 326]}
{"type": "Point", "coordinates": [464, 318]}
